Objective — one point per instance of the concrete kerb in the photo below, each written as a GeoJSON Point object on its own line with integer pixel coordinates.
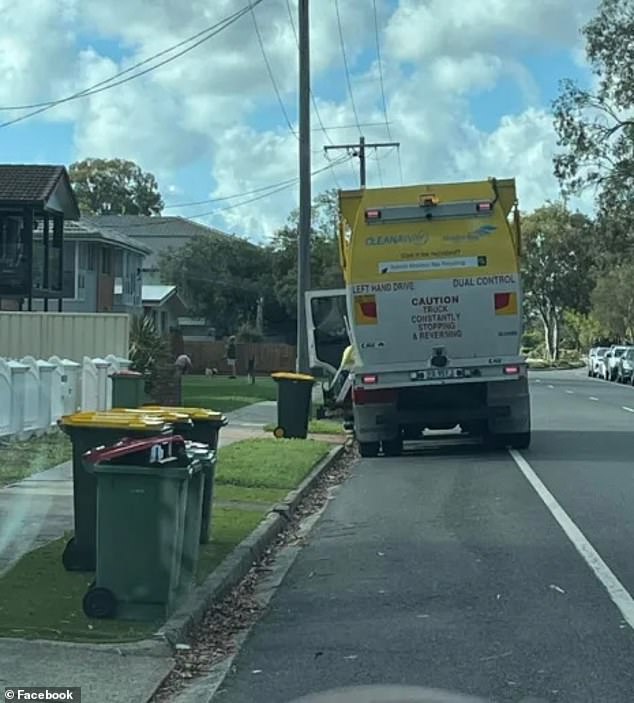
{"type": "Point", "coordinates": [238, 563]}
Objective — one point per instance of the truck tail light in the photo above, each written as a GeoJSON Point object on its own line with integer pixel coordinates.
{"type": "Point", "coordinates": [370, 379]}
{"type": "Point", "coordinates": [361, 396]}
{"type": "Point", "coordinates": [484, 207]}
{"type": "Point", "coordinates": [511, 370]}
{"type": "Point", "coordinates": [368, 308]}
{"type": "Point", "coordinates": [372, 214]}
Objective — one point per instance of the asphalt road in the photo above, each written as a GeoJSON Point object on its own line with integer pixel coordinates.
{"type": "Point", "coordinates": [447, 569]}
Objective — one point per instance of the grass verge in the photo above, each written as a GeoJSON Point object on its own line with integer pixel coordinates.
{"type": "Point", "coordinates": [268, 463]}
{"type": "Point", "coordinates": [226, 394]}
{"type": "Point", "coordinates": [39, 599]}
{"type": "Point", "coordinates": [19, 460]}
{"type": "Point", "coordinates": [329, 427]}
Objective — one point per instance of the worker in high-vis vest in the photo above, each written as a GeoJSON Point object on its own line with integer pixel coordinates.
{"type": "Point", "coordinates": [342, 382]}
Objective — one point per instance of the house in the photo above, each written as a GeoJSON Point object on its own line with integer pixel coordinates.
{"type": "Point", "coordinates": [35, 201]}
{"type": "Point", "coordinates": [156, 233]}
{"type": "Point", "coordinates": [163, 305]}
{"type": "Point", "coordinates": [102, 269]}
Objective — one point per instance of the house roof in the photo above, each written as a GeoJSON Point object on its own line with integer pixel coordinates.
{"type": "Point", "coordinates": [86, 231]}
{"type": "Point", "coordinates": [157, 233]}
{"type": "Point", "coordinates": [45, 187]}
{"type": "Point", "coordinates": [156, 294]}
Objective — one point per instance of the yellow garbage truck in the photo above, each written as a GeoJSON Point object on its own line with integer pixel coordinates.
{"type": "Point", "coordinates": [433, 310]}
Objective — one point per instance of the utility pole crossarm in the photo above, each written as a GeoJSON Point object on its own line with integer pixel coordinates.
{"type": "Point", "coordinates": [359, 150]}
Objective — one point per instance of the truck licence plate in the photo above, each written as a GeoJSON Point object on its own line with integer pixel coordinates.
{"type": "Point", "coordinates": [435, 374]}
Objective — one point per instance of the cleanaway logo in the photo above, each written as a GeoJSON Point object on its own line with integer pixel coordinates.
{"type": "Point", "coordinates": [387, 239]}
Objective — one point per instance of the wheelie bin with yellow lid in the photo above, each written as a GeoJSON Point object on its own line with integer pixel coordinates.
{"type": "Point", "coordinates": [201, 427]}
{"type": "Point", "coordinates": [148, 524]}
{"type": "Point", "coordinates": [88, 430]}
{"type": "Point", "coordinates": [206, 423]}
{"type": "Point", "coordinates": [294, 396]}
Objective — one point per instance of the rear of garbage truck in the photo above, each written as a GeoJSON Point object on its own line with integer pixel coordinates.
{"type": "Point", "coordinates": [432, 308]}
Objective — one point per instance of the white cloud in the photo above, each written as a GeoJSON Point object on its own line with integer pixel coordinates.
{"type": "Point", "coordinates": [216, 104]}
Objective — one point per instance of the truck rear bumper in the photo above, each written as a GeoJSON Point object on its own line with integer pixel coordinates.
{"type": "Point", "coordinates": [493, 407]}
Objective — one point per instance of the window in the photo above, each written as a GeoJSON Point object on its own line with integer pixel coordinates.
{"type": "Point", "coordinates": [69, 287]}
{"type": "Point", "coordinates": [106, 260]}
{"type": "Point", "coordinates": [91, 257]}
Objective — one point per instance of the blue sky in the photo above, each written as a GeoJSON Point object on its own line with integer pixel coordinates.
{"type": "Point", "coordinates": [464, 98]}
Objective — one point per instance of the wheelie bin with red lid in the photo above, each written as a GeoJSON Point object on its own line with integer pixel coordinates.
{"type": "Point", "coordinates": [88, 430]}
{"type": "Point", "coordinates": [201, 427]}
{"type": "Point", "coordinates": [148, 524]}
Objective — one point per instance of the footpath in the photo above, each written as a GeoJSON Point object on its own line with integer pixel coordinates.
{"type": "Point", "coordinates": [36, 511]}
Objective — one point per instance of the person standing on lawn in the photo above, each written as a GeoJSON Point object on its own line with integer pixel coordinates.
{"type": "Point", "coordinates": [232, 356]}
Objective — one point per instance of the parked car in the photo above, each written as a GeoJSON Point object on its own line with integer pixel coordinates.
{"type": "Point", "coordinates": [596, 358]}
{"type": "Point", "coordinates": [625, 367]}
{"type": "Point", "coordinates": [611, 360]}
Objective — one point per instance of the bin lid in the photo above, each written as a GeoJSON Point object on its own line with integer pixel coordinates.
{"type": "Point", "coordinates": [153, 450]}
{"type": "Point", "coordinates": [194, 413]}
{"type": "Point", "coordinates": [109, 419]}
{"type": "Point", "coordinates": [127, 373]}
{"type": "Point", "coordinates": [288, 376]}
{"type": "Point", "coordinates": [166, 414]}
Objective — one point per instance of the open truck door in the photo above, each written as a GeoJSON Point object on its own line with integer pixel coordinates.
{"type": "Point", "coordinates": [328, 337]}
{"type": "Point", "coordinates": [328, 329]}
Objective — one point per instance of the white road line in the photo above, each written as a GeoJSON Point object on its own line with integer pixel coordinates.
{"type": "Point", "coordinates": [570, 392]}
{"type": "Point", "coordinates": [616, 590]}
{"type": "Point", "coordinates": [593, 398]}
{"type": "Point", "coordinates": [629, 410]}
{"type": "Point", "coordinates": [551, 386]}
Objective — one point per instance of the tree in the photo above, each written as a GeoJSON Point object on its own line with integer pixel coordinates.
{"type": "Point", "coordinates": [114, 187]}
{"type": "Point", "coordinates": [325, 266]}
{"type": "Point", "coordinates": [556, 269]}
{"type": "Point", "coordinates": [613, 302]}
{"type": "Point", "coordinates": [221, 277]}
{"type": "Point", "coordinates": [594, 127]}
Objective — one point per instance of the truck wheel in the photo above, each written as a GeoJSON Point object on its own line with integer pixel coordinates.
{"type": "Point", "coordinates": [369, 450]}
{"type": "Point", "coordinates": [520, 440]}
{"type": "Point", "coordinates": [393, 447]}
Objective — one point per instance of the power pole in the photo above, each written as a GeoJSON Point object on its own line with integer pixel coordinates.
{"type": "Point", "coordinates": [303, 248]}
{"type": "Point", "coordinates": [359, 151]}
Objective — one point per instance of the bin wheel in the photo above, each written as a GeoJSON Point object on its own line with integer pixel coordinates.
{"type": "Point", "coordinates": [100, 603]}
{"type": "Point", "coordinates": [320, 414]}
{"type": "Point", "coordinates": [68, 556]}
{"type": "Point", "coordinates": [279, 433]}
{"type": "Point", "coordinates": [369, 450]}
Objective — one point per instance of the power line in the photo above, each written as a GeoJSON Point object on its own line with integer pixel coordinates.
{"type": "Point", "coordinates": [109, 83]}
{"type": "Point", "coordinates": [382, 84]}
{"type": "Point", "coordinates": [318, 171]}
{"type": "Point", "coordinates": [271, 190]}
{"type": "Point", "coordinates": [269, 70]}
{"type": "Point", "coordinates": [230, 197]}
{"type": "Point", "coordinates": [345, 65]}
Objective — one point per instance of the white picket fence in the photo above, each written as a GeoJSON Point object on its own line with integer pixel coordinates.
{"type": "Point", "coordinates": [35, 393]}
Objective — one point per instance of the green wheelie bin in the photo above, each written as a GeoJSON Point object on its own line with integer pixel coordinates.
{"type": "Point", "coordinates": [202, 428]}
{"type": "Point", "coordinates": [88, 430]}
{"type": "Point", "coordinates": [148, 524]}
{"type": "Point", "coordinates": [208, 461]}
{"type": "Point", "coordinates": [128, 389]}
{"type": "Point", "coordinates": [294, 397]}
{"type": "Point", "coordinates": [206, 424]}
